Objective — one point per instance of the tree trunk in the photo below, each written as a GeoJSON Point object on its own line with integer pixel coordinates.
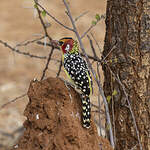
{"type": "Point", "coordinates": [128, 28]}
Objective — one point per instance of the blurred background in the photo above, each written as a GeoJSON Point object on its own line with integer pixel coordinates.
{"type": "Point", "coordinates": [19, 23]}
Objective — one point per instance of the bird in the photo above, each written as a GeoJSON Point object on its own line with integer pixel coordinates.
{"type": "Point", "coordinates": [76, 69]}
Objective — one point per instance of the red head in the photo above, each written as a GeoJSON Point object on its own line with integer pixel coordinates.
{"type": "Point", "coordinates": [66, 44]}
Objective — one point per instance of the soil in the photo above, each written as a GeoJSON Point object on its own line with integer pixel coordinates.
{"type": "Point", "coordinates": [54, 120]}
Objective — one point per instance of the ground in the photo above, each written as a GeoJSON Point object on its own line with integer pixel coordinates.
{"type": "Point", "coordinates": [19, 22]}
{"type": "Point", "coordinates": [54, 120]}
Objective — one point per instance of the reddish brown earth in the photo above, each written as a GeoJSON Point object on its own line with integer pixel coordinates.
{"type": "Point", "coordinates": [54, 120]}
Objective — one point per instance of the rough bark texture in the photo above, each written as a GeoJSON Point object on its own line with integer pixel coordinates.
{"type": "Point", "coordinates": [128, 26]}
{"type": "Point", "coordinates": [54, 120]}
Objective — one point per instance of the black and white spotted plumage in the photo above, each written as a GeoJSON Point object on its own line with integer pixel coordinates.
{"type": "Point", "coordinates": [77, 69]}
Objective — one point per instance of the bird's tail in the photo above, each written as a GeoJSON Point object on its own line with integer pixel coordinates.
{"type": "Point", "coordinates": [86, 108]}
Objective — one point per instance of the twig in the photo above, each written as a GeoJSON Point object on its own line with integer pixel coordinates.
{"type": "Point", "coordinates": [94, 74]}
{"type": "Point", "coordinates": [91, 27]}
{"type": "Point", "coordinates": [60, 66]}
{"type": "Point", "coordinates": [42, 22]}
{"type": "Point", "coordinates": [48, 60]}
{"type": "Point", "coordinates": [132, 114]}
{"type": "Point", "coordinates": [13, 100]}
{"type": "Point", "coordinates": [99, 103]}
{"type": "Point", "coordinates": [113, 111]}
{"type": "Point", "coordinates": [129, 106]}
{"type": "Point", "coordinates": [99, 116]}
{"type": "Point", "coordinates": [96, 43]}
{"type": "Point", "coordinates": [114, 46]}
{"type": "Point", "coordinates": [6, 134]}
{"type": "Point", "coordinates": [84, 34]}
{"type": "Point", "coordinates": [92, 46]}
{"type": "Point", "coordinates": [29, 42]}
{"type": "Point", "coordinates": [46, 35]}
{"type": "Point", "coordinates": [91, 57]}
{"type": "Point", "coordinates": [12, 135]}
{"type": "Point", "coordinates": [81, 15]}
{"type": "Point", "coordinates": [22, 53]}
{"type": "Point", "coordinates": [53, 16]}
{"type": "Point", "coordinates": [48, 44]}
{"type": "Point", "coordinates": [18, 130]}
{"type": "Point", "coordinates": [68, 85]}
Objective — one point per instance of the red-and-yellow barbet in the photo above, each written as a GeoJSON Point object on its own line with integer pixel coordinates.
{"type": "Point", "coordinates": [77, 71]}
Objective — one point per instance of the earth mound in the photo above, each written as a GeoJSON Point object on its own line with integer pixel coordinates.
{"type": "Point", "coordinates": [54, 120]}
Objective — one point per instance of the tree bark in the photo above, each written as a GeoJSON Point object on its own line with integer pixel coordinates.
{"type": "Point", "coordinates": [128, 28]}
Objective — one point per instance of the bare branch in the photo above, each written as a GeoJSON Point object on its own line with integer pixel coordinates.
{"type": "Point", "coordinates": [99, 116]}
{"type": "Point", "coordinates": [114, 46]}
{"type": "Point", "coordinates": [22, 53]}
{"type": "Point", "coordinates": [81, 15]}
{"type": "Point", "coordinates": [96, 42]}
{"type": "Point", "coordinates": [53, 16]}
{"type": "Point", "coordinates": [13, 100]}
{"type": "Point", "coordinates": [25, 43]}
{"type": "Point", "coordinates": [48, 61]}
{"type": "Point", "coordinates": [92, 47]}
{"type": "Point", "coordinates": [91, 57]}
{"type": "Point", "coordinates": [129, 106]}
{"type": "Point", "coordinates": [113, 111]}
{"type": "Point", "coordinates": [43, 24]}
{"type": "Point", "coordinates": [60, 66]}
{"type": "Point", "coordinates": [99, 103]}
{"type": "Point", "coordinates": [6, 134]}
{"type": "Point", "coordinates": [48, 44]}
{"type": "Point", "coordinates": [91, 27]}
{"type": "Point", "coordinates": [46, 35]}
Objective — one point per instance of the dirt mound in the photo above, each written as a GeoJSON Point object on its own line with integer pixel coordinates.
{"type": "Point", "coordinates": [54, 120]}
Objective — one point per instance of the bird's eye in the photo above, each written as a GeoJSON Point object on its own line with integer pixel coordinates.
{"type": "Point", "coordinates": [61, 43]}
{"type": "Point", "coordinates": [67, 48]}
